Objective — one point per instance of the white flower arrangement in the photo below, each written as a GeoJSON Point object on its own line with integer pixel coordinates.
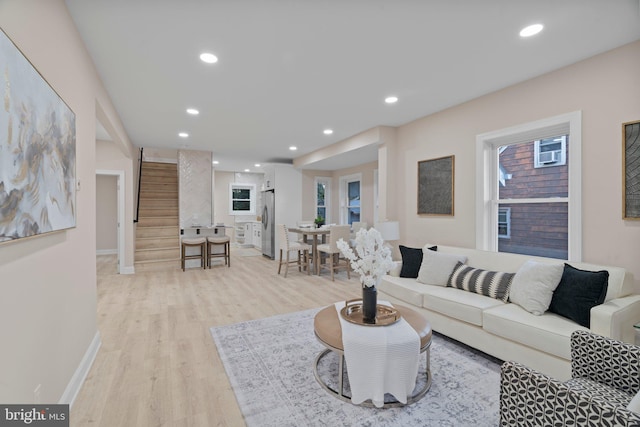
{"type": "Point", "coordinates": [371, 259]}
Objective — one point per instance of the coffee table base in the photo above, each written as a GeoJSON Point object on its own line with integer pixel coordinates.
{"type": "Point", "coordinates": [340, 392]}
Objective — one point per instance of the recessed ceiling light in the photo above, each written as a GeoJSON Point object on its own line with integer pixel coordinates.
{"type": "Point", "coordinates": [183, 135]}
{"type": "Point", "coordinates": [257, 165]}
{"type": "Point", "coordinates": [531, 30]}
{"type": "Point", "coordinates": [209, 58]}
{"type": "Point", "coordinates": [391, 99]}
{"type": "Point", "coordinates": [293, 148]}
{"type": "Point", "coordinates": [247, 170]}
{"type": "Point", "coordinates": [328, 131]}
{"type": "Point", "coordinates": [215, 162]}
{"type": "Point", "coordinates": [193, 111]}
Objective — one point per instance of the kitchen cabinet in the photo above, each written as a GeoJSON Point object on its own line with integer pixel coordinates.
{"type": "Point", "coordinates": [257, 235]}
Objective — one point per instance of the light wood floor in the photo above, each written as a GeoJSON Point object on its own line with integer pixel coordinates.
{"type": "Point", "coordinates": [158, 365]}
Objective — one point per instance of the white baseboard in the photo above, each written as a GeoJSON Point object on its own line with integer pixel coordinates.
{"type": "Point", "coordinates": [74, 386]}
{"type": "Point", "coordinates": [128, 270]}
{"type": "Point", "coordinates": [106, 251]}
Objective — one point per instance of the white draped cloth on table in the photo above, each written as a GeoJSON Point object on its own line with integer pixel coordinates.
{"type": "Point", "coordinates": [380, 359]}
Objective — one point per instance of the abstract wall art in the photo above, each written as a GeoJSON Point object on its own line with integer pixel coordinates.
{"type": "Point", "coordinates": [435, 186]}
{"type": "Point", "coordinates": [631, 170]}
{"type": "Point", "coordinates": [37, 151]}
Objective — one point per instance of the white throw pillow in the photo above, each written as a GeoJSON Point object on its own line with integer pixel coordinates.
{"type": "Point", "coordinates": [533, 285]}
{"type": "Point", "coordinates": [436, 267]}
{"type": "Point", "coordinates": [395, 270]}
{"type": "Point", "coordinates": [634, 405]}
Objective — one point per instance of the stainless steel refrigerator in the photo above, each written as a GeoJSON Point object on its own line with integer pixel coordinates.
{"type": "Point", "coordinates": [268, 224]}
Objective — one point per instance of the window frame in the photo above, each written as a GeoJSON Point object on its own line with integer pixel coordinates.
{"type": "Point", "coordinates": [327, 197]}
{"type": "Point", "coordinates": [344, 195]}
{"type": "Point", "coordinates": [252, 199]}
{"type": "Point", "coordinates": [487, 177]}
{"type": "Point", "coordinates": [376, 197]}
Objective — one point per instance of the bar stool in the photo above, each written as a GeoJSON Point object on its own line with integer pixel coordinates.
{"type": "Point", "coordinates": [215, 241]}
{"type": "Point", "coordinates": [192, 243]}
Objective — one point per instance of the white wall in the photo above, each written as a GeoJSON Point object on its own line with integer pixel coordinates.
{"type": "Point", "coordinates": [606, 88]}
{"type": "Point", "coordinates": [48, 286]}
{"type": "Point", "coordinates": [221, 201]}
{"type": "Point", "coordinates": [110, 157]}
{"type": "Point", "coordinates": [106, 214]}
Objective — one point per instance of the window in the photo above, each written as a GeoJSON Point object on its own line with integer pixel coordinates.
{"type": "Point", "coordinates": [350, 198]}
{"type": "Point", "coordinates": [550, 152]}
{"type": "Point", "coordinates": [323, 198]}
{"type": "Point", "coordinates": [242, 199]}
{"type": "Point", "coordinates": [523, 205]}
{"type": "Point", "coordinates": [504, 223]}
{"type": "Point", "coordinates": [376, 199]}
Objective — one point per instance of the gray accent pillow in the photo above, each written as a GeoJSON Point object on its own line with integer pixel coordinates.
{"type": "Point", "coordinates": [436, 267]}
{"type": "Point", "coordinates": [532, 287]}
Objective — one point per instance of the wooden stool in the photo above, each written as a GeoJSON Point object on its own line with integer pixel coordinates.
{"type": "Point", "coordinates": [191, 243]}
{"type": "Point", "coordinates": [214, 241]}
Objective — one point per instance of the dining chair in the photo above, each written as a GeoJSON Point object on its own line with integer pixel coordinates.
{"type": "Point", "coordinates": [336, 233]}
{"type": "Point", "coordinates": [355, 227]}
{"type": "Point", "coordinates": [287, 246]}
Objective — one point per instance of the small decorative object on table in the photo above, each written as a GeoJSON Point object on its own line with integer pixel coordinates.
{"type": "Point", "coordinates": [371, 260]}
{"type": "Point", "coordinates": [385, 315]}
{"type": "Point", "coordinates": [319, 221]}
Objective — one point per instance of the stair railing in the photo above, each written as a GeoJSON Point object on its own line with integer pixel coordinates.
{"type": "Point", "coordinates": [139, 182]}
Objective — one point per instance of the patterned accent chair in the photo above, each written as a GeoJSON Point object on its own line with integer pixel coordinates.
{"type": "Point", "coordinates": [605, 376]}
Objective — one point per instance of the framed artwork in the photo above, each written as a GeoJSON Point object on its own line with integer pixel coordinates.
{"type": "Point", "coordinates": [37, 151]}
{"type": "Point", "coordinates": [436, 186]}
{"type": "Point", "coordinates": [631, 170]}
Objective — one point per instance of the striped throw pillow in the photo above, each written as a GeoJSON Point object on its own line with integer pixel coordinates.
{"type": "Point", "coordinates": [493, 284]}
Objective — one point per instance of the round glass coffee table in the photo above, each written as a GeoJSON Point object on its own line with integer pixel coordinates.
{"type": "Point", "coordinates": [328, 331]}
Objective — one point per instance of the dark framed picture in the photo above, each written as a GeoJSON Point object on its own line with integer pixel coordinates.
{"type": "Point", "coordinates": [631, 170]}
{"type": "Point", "coordinates": [436, 186]}
{"type": "Point", "coordinates": [37, 152]}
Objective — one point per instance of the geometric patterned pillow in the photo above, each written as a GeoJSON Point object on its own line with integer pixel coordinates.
{"type": "Point", "coordinates": [494, 284]}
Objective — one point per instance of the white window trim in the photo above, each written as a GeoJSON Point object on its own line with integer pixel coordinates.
{"type": "Point", "coordinates": [327, 196]}
{"type": "Point", "coordinates": [344, 197]}
{"type": "Point", "coordinates": [487, 176]}
{"type": "Point", "coordinates": [252, 198]}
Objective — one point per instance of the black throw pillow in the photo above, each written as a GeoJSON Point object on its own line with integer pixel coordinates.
{"type": "Point", "coordinates": [577, 292]}
{"type": "Point", "coordinates": [411, 261]}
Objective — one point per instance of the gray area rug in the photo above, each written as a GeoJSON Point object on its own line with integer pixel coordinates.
{"type": "Point", "coordinates": [270, 366]}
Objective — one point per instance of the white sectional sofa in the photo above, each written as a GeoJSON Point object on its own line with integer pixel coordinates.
{"type": "Point", "coordinates": [506, 330]}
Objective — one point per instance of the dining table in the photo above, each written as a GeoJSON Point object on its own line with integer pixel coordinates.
{"type": "Point", "coordinates": [316, 234]}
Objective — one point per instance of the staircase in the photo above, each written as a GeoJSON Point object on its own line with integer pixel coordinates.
{"type": "Point", "coordinates": [157, 233]}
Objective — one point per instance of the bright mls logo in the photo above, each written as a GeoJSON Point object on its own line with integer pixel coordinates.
{"type": "Point", "coordinates": [34, 415]}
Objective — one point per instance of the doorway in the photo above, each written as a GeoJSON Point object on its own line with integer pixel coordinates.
{"type": "Point", "coordinates": [108, 182]}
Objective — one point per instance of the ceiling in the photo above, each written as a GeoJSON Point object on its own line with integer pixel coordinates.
{"type": "Point", "coordinates": [288, 69]}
